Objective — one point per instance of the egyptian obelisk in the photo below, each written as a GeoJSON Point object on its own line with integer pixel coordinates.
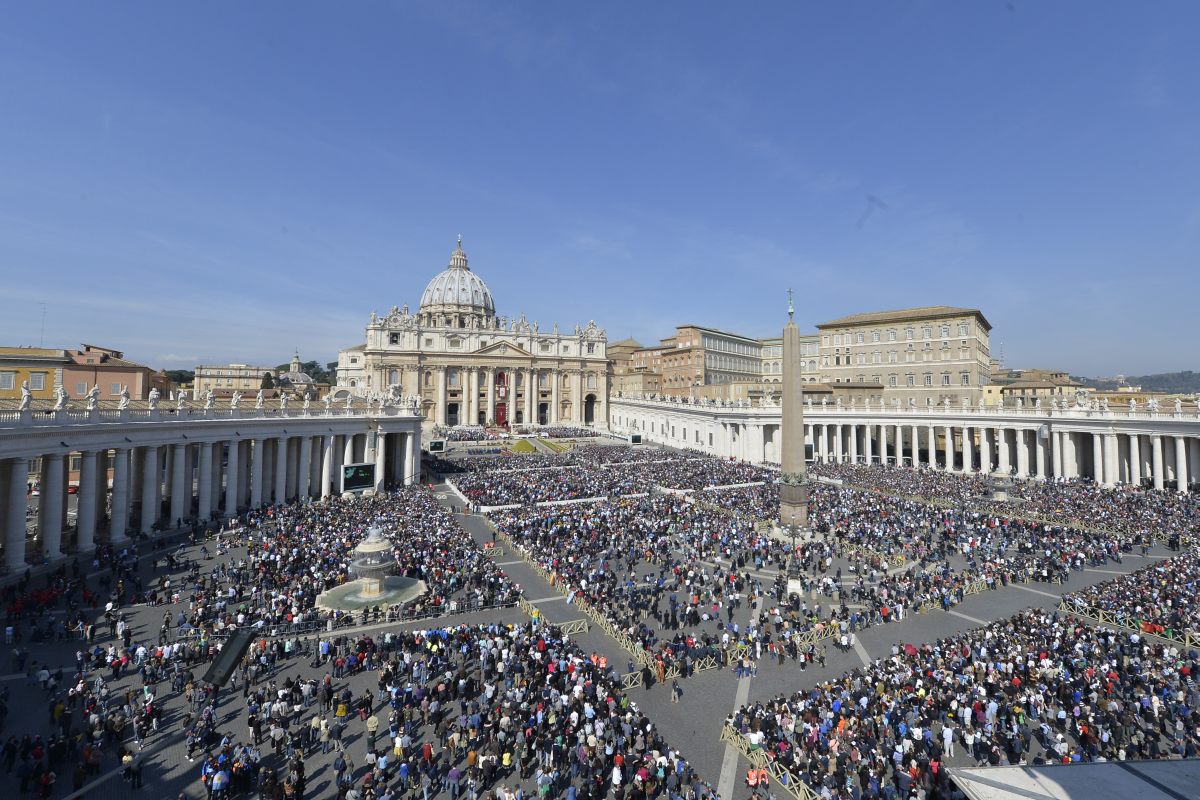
{"type": "Point", "coordinates": [793, 485]}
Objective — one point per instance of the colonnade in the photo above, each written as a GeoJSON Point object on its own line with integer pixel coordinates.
{"type": "Point", "coordinates": [512, 395]}
{"type": "Point", "coordinates": [1108, 457]}
{"type": "Point", "coordinates": [143, 476]}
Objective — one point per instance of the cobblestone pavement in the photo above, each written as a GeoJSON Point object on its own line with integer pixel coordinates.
{"type": "Point", "coordinates": [691, 726]}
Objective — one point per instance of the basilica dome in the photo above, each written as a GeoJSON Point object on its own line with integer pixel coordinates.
{"type": "Point", "coordinates": [458, 291]}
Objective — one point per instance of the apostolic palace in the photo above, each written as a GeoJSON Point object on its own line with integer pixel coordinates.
{"type": "Point", "coordinates": [469, 366]}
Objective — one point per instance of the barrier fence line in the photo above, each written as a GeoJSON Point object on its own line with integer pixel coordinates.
{"type": "Point", "coordinates": [759, 759]}
{"type": "Point", "coordinates": [1098, 616]}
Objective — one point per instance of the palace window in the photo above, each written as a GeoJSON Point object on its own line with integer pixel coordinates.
{"type": "Point", "coordinates": [910, 380]}
{"type": "Point", "coordinates": [591, 348]}
{"type": "Point", "coordinates": [8, 380]}
{"type": "Point", "coordinates": [945, 379]}
{"type": "Point", "coordinates": [928, 379]}
{"type": "Point", "coordinates": [114, 389]}
{"type": "Point", "coordinates": [964, 379]}
{"type": "Point", "coordinates": [452, 378]}
{"type": "Point", "coordinates": [945, 331]}
{"type": "Point", "coordinates": [37, 381]}
{"type": "Point", "coordinates": [591, 381]}
{"type": "Point", "coordinates": [963, 329]}
{"type": "Point", "coordinates": [542, 380]}
{"type": "Point", "coordinates": [874, 336]}
{"type": "Point", "coordinates": [394, 338]}
{"type": "Point", "coordinates": [81, 387]}
{"type": "Point", "coordinates": [927, 332]}
{"type": "Point", "coordinates": [892, 380]}
{"type": "Point", "coordinates": [858, 339]}
{"type": "Point", "coordinates": [393, 377]}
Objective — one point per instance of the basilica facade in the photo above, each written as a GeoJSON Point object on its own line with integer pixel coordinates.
{"type": "Point", "coordinates": [469, 366]}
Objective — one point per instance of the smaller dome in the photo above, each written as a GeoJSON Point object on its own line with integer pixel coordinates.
{"type": "Point", "coordinates": [458, 286]}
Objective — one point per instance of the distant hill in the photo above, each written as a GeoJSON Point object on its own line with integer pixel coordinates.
{"type": "Point", "coordinates": [1186, 382]}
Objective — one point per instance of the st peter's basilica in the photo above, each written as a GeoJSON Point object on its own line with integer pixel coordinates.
{"type": "Point", "coordinates": [469, 366]}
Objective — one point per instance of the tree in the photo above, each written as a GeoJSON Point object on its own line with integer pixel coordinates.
{"type": "Point", "coordinates": [268, 381]}
{"type": "Point", "coordinates": [181, 376]}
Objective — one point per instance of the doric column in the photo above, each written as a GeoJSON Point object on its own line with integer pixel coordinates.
{"type": "Point", "coordinates": [292, 484]}
{"type": "Point", "coordinates": [1098, 459]}
{"type": "Point", "coordinates": [119, 520]}
{"type": "Point", "coordinates": [1039, 455]}
{"type": "Point", "coordinates": [439, 377]}
{"type": "Point", "coordinates": [281, 469]}
{"type": "Point", "coordinates": [326, 463]}
{"type": "Point", "coordinates": [867, 444]}
{"type": "Point", "coordinates": [556, 377]}
{"type": "Point", "coordinates": [178, 492]}
{"type": "Point", "coordinates": [380, 460]}
{"type": "Point", "coordinates": [1194, 456]}
{"type": "Point", "coordinates": [1181, 464]}
{"type": "Point", "coordinates": [204, 490]}
{"type": "Point", "coordinates": [150, 480]}
{"type": "Point", "coordinates": [1156, 460]}
{"type": "Point", "coordinates": [231, 480]}
{"type": "Point", "coordinates": [827, 442]}
{"type": "Point", "coordinates": [915, 437]}
{"type": "Point", "coordinates": [1112, 472]}
{"type": "Point", "coordinates": [985, 451]}
{"type": "Point", "coordinates": [85, 517]}
{"type": "Point", "coordinates": [1056, 452]}
{"type": "Point", "coordinates": [17, 508]}
{"type": "Point", "coordinates": [257, 467]}
{"type": "Point", "coordinates": [837, 443]}
{"type": "Point", "coordinates": [1002, 450]}
{"type": "Point", "coordinates": [1022, 444]}
{"type": "Point", "coordinates": [883, 447]}
{"type": "Point", "coordinates": [50, 507]}
{"type": "Point", "coordinates": [1135, 459]}
{"type": "Point", "coordinates": [853, 444]}
{"type": "Point", "coordinates": [968, 449]}
{"type": "Point", "coordinates": [348, 449]}
{"type": "Point", "coordinates": [947, 447]}
{"type": "Point", "coordinates": [304, 469]}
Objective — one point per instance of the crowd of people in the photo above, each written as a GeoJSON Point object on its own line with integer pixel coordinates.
{"type": "Point", "coordinates": [1158, 599]}
{"type": "Point", "coordinates": [1123, 509]}
{"type": "Point", "coordinates": [1034, 688]}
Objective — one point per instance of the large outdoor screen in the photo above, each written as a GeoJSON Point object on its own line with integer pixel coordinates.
{"type": "Point", "coordinates": [356, 477]}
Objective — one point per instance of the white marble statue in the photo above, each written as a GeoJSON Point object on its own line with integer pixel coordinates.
{"type": "Point", "coordinates": [1132, 406]}
{"type": "Point", "coordinates": [259, 399]}
{"type": "Point", "coordinates": [181, 400]}
{"type": "Point", "coordinates": [153, 398]}
{"type": "Point", "coordinates": [93, 398]}
{"type": "Point", "coordinates": [307, 402]}
{"type": "Point", "coordinates": [982, 405]}
{"type": "Point", "coordinates": [838, 403]}
{"type": "Point", "coordinates": [896, 404]}
{"type": "Point", "coordinates": [328, 401]}
{"type": "Point", "coordinates": [283, 401]}
{"type": "Point", "coordinates": [60, 398]}
{"type": "Point", "coordinates": [1104, 404]}
{"type": "Point", "coordinates": [946, 403]}
{"type": "Point", "coordinates": [1020, 403]}
{"type": "Point", "coordinates": [929, 402]}
{"type": "Point", "coordinates": [1152, 404]}
{"type": "Point", "coordinates": [235, 400]}
{"type": "Point", "coordinates": [26, 396]}
{"type": "Point", "coordinates": [1178, 406]}
{"type": "Point", "coordinates": [1037, 404]}
{"type": "Point", "coordinates": [123, 403]}
{"type": "Point", "coordinates": [209, 399]}
{"type": "Point", "coordinates": [349, 400]}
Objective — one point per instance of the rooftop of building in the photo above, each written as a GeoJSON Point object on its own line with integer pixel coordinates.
{"type": "Point", "coordinates": [905, 315]}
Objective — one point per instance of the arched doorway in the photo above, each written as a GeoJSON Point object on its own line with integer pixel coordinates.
{"type": "Point", "coordinates": [589, 409]}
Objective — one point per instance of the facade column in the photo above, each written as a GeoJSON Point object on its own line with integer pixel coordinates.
{"type": "Point", "coordinates": [898, 438]}
{"type": "Point", "coordinates": [853, 444]}
{"type": "Point", "coordinates": [837, 443]}
{"type": "Point", "coordinates": [119, 519]}
{"type": "Point", "coordinates": [556, 379]}
{"type": "Point", "coordinates": [178, 493]}
{"type": "Point", "coordinates": [1098, 459]}
{"type": "Point", "coordinates": [204, 480]}
{"type": "Point", "coordinates": [968, 449]}
{"type": "Point", "coordinates": [1135, 459]}
{"type": "Point", "coordinates": [931, 455]}
{"type": "Point", "coordinates": [489, 415]}
{"type": "Point", "coordinates": [470, 409]}
{"type": "Point", "coordinates": [1156, 460]}
{"type": "Point", "coordinates": [14, 514]}
{"type": "Point", "coordinates": [439, 377]}
{"type": "Point", "coordinates": [530, 396]}
{"type": "Point", "coordinates": [304, 468]}
{"type": "Point", "coordinates": [867, 444]}
{"type": "Point", "coordinates": [948, 447]}
{"type": "Point", "coordinates": [347, 449]}
{"type": "Point", "coordinates": [85, 518]}
{"type": "Point", "coordinates": [1021, 437]}
{"type": "Point", "coordinates": [916, 446]}
{"type": "Point", "coordinates": [577, 398]}
{"type": "Point", "coordinates": [1181, 464]}
{"type": "Point", "coordinates": [380, 460]}
{"type": "Point", "coordinates": [51, 505]}
{"type": "Point", "coordinates": [281, 470]}
{"type": "Point", "coordinates": [827, 447]}
{"type": "Point", "coordinates": [1056, 453]}
{"type": "Point", "coordinates": [412, 460]}
{"type": "Point", "coordinates": [150, 482]}
{"type": "Point", "coordinates": [1002, 450]}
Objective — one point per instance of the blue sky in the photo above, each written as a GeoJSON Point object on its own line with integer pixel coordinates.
{"type": "Point", "coordinates": [215, 182]}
